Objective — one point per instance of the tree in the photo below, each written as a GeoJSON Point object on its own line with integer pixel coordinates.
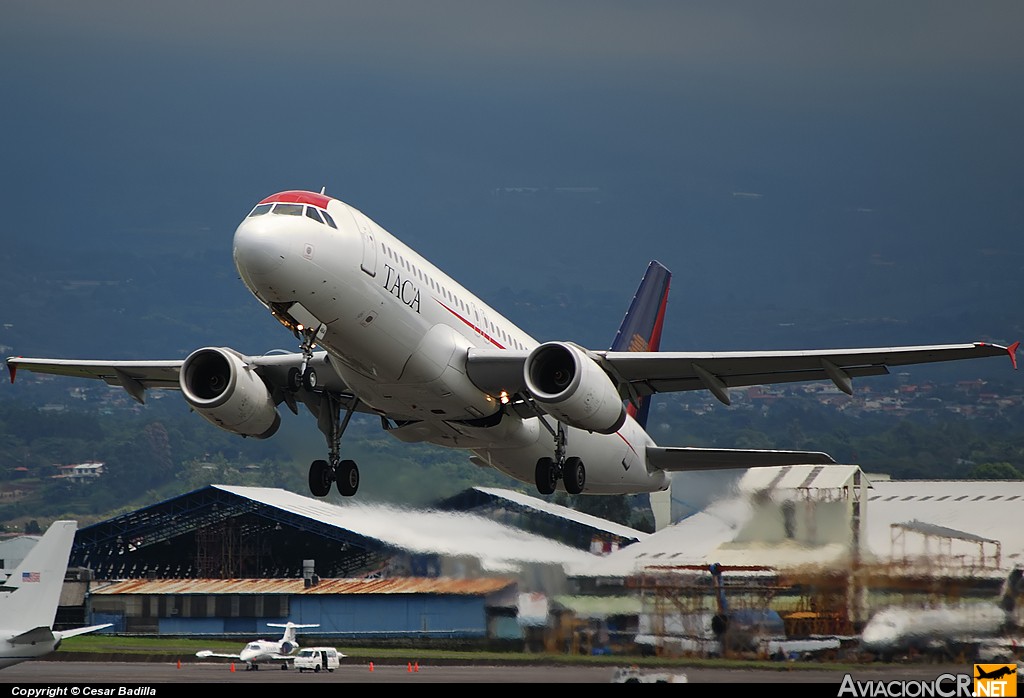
{"type": "Point", "coordinates": [994, 471]}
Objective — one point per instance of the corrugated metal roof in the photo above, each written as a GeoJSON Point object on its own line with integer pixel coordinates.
{"type": "Point", "coordinates": [941, 531]}
{"type": "Point", "coordinates": [500, 549]}
{"type": "Point", "coordinates": [541, 505]}
{"type": "Point", "coordinates": [791, 477]}
{"type": "Point", "coordinates": [601, 606]}
{"type": "Point", "coordinates": [975, 511]}
{"type": "Point", "coordinates": [404, 585]}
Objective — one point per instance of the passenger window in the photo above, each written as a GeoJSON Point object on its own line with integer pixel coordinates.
{"type": "Point", "coordinates": [260, 210]}
{"type": "Point", "coordinates": [288, 209]}
{"type": "Point", "coordinates": [312, 213]}
{"type": "Point", "coordinates": [330, 221]}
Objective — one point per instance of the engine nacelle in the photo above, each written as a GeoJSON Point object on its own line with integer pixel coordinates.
{"type": "Point", "coordinates": [573, 388]}
{"type": "Point", "coordinates": [219, 385]}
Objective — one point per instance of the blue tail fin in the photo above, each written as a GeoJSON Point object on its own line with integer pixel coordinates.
{"type": "Point", "coordinates": [641, 328]}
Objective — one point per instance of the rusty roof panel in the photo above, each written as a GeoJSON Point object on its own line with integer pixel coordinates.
{"type": "Point", "coordinates": [400, 585]}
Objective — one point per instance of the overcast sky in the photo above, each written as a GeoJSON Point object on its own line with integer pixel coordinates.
{"type": "Point", "coordinates": [724, 138]}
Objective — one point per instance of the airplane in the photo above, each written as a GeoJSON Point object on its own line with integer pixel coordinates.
{"type": "Point", "coordinates": [383, 331]}
{"type": "Point", "coordinates": [30, 596]}
{"type": "Point", "coordinates": [995, 673]}
{"type": "Point", "coordinates": [266, 651]}
{"type": "Point", "coordinates": [981, 627]}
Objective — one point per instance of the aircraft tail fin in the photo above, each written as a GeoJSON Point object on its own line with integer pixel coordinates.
{"type": "Point", "coordinates": [290, 628]}
{"type": "Point", "coordinates": [36, 584]}
{"type": "Point", "coordinates": [641, 327]}
{"type": "Point", "coordinates": [1012, 587]}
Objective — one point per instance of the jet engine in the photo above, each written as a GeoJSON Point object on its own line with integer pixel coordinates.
{"type": "Point", "coordinates": [573, 388]}
{"type": "Point", "coordinates": [221, 387]}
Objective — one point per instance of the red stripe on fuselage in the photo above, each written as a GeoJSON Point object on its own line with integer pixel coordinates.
{"type": "Point", "coordinates": [626, 441]}
{"type": "Point", "coordinates": [476, 329]}
{"type": "Point", "coordinates": [298, 197]}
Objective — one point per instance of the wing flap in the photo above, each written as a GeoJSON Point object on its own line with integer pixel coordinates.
{"type": "Point", "coordinates": [682, 459]}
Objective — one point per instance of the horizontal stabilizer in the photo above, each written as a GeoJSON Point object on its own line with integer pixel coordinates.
{"type": "Point", "coordinates": [684, 458]}
{"type": "Point", "coordinates": [74, 632]}
{"type": "Point", "coordinates": [41, 634]}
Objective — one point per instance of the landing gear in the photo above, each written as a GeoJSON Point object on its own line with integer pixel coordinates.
{"type": "Point", "coordinates": [546, 475]}
{"type": "Point", "coordinates": [324, 473]}
{"type": "Point", "coordinates": [302, 378]}
{"type": "Point", "coordinates": [344, 472]}
{"type": "Point", "coordinates": [347, 474]}
{"type": "Point", "coordinates": [550, 470]}
{"type": "Point", "coordinates": [320, 477]}
{"type": "Point", "coordinates": [574, 475]}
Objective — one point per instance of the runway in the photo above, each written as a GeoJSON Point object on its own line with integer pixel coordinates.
{"type": "Point", "coordinates": [81, 675]}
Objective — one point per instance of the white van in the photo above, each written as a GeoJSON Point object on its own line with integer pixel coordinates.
{"type": "Point", "coordinates": [317, 658]}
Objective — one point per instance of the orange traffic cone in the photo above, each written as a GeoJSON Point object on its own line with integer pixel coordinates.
{"type": "Point", "coordinates": [232, 666]}
{"type": "Point", "coordinates": [416, 667]}
{"type": "Point", "coordinates": [371, 666]}
{"type": "Point", "coordinates": [409, 669]}
{"type": "Point", "coordinates": [179, 663]}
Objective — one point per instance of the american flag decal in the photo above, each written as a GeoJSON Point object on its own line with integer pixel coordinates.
{"type": "Point", "coordinates": [30, 576]}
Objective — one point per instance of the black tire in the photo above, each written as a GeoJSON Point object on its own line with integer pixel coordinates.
{"type": "Point", "coordinates": [316, 669]}
{"type": "Point", "coordinates": [284, 667]}
{"type": "Point", "coordinates": [294, 379]}
{"type": "Point", "coordinates": [347, 476]}
{"type": "Point", "coordinates": [309, 379]}
{"type": "Point", "coordinates": [546, 475]}
{"type": "Point", "coordinates": [320, 477]}
{"type": "Point", "coordinates": [574, 475]}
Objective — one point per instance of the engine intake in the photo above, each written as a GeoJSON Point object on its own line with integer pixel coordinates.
{"type": "Point", "coordinates": [220, 386]}
{"type": "Point", "coordinates": [573, 388]}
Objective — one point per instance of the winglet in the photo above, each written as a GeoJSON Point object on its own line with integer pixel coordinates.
{"type": "Point", "coordinates": [1012, 349]}
{"type": "Point", "coordinates": [12, 369]}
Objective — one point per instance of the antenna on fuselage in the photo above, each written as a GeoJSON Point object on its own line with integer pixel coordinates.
{"type": "Point", "coordinates": [323, 190]}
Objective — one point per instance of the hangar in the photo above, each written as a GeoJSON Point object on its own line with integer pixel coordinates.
{"type": "Point", "coordinates": [824, 546]}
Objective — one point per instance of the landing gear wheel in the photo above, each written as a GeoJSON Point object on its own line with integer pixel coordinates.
{"type": "Point", "coordinates": [320, 477]}
{"type": "Point", "coordinates": [294, 379]}
{"type": "Point", "coordinates": [574, 475]}
{"type": "Point", "coordinates": [309, 379]}
{"type": "Point", "coordinates": [347, 477]}
{"type": "Point", "coordinates": [546, 475]}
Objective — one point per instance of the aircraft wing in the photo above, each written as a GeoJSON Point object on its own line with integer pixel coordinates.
{"type": "Point", "coordinates": [639, 374]}
{"type": "Point", "coordinates": [138, 376]}
{"type": "Point", "coordinates": [207, 654]}
{"type": "Point", "coordinates": [688, 459]}
{"type": "Point", "coordinates": [647, 373]}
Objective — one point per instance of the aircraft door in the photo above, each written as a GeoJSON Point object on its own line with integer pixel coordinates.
{"type": "Point", "coordinates": [369, 261]}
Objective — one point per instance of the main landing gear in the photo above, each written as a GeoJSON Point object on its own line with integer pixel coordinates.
{"type": "Point", "coordinates": [550, 470]}
{"type": "Point", "coordinates": [323, 473]}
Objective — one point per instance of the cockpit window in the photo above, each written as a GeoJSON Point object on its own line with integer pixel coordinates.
{"type": "Point", "coordinates": [288, 209]}
{"type": "Point", "coordinates": [314, 214]}
{"type": "Point", "coordinates": [330, 221]}
{"type": "Point", "coordinates": [260, 210]}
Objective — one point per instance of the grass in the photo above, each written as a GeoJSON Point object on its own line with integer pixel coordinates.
{"type": "Point", "coordinates": [171, 649]}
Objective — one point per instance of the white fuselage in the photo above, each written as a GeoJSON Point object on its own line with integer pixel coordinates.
{"type": "Point", "coordinates": [11, 654]}
{"type": "Point", "coordinates": [896, 629]}
{"type": "Point", "coordinates": [397, 331]}
{"type": "Point", "coordinates": [264, 651]}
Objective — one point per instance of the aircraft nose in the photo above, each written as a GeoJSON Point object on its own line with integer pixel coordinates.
{"type": "Point", "coordinates": [260, 246]}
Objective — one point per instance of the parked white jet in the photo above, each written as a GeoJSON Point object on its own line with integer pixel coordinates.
{"type": "Point", "coordinates": [29, 599]}
{"type": "Point", "coordinates": [383, 331]}
{"type": "Point", "coordinates": [266, 651]}
{"type": "Point", "coordinates": [985, 627]}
